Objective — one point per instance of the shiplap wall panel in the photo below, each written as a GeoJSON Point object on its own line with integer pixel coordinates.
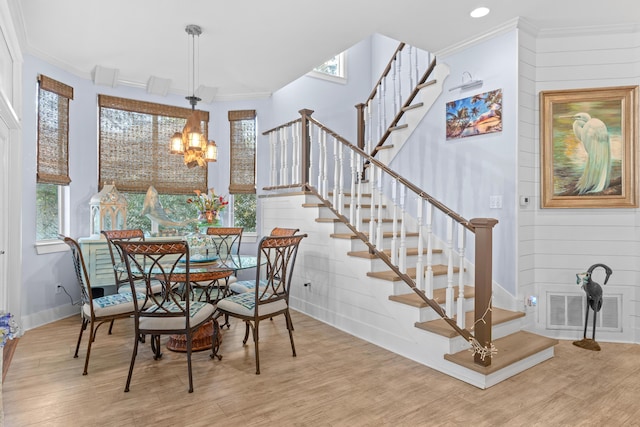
{"type": "Point", "coordinates": [567, 241]}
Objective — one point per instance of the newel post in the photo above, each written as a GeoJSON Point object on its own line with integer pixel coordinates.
{"type": "Point", "coordinates": [305, 155]}
{"type": "Point", "coordinates": [483, 284]}
{"type": "Point", "coordinates": [360, 126]}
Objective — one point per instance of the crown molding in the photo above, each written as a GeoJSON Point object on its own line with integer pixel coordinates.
{"type": "Point", "coordinates": [597, 30]}
{"type": "Point", "coordinates": [465, 44]}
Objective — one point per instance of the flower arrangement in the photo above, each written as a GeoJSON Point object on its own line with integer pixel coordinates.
{"type": "Point", "coordinates": [209, 201]}
{"type": "Point", "coordinates": [209, 205]}
{"type": "Point", "coordinates": [9, 328]}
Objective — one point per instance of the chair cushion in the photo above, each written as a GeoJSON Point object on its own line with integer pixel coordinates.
{"type": "Point", "coordinates": [242, 286]}
{"type": "Point", "coordinates": [198, 313]}
{"type": "Point", "coordinates": [112, 305]}
{"type": "Point", "coordinates": [244, 305]}
{"type": "Point", "coordinates": [156, 287]}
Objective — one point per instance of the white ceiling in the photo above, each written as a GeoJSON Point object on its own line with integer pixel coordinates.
{"type": "Point", "coordinates": [254, 47]}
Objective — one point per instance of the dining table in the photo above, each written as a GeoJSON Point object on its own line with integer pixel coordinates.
{"type": "Point", "coordinates": [209, 268]}
{"type": "Point", "coordinates": [206, 267]}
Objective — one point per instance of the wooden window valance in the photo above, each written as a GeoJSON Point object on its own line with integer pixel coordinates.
{"type": "Point", "coordinates": [243, 152]}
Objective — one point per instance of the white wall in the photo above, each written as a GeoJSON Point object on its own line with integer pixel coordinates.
{"type": "Point", "coordinates": [464, 173]}
{"type": "Point", "coordinates": [556, 244]}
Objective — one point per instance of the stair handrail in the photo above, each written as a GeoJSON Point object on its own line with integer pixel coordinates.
{"type": "Point", "coordinates": [361, 116]}
{"type": "Point", "coordinates": [481, 227]}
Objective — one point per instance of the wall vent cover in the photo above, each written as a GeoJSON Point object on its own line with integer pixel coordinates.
{"type": "Point", "coordinates": [567, 311]}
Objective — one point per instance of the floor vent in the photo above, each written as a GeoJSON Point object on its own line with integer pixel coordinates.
{"type": "Point", "coordinates": [567, 311]}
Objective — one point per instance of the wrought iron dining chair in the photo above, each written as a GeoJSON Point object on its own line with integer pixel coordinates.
{"type": "Point", "coordinates": [96, 311]}
{"type": "Point", "coordinates": [276, 256]}
{"type": "Point", "coordinates": [227, 241]}
{"type": "Point", "coordinates": [238, 287]}
{"type": "Point", "coordinates": [279, 231]}
{"type": "Point", "coordinates": [172, 311]}
{"type": "Point", "coordinates": [117, 258]}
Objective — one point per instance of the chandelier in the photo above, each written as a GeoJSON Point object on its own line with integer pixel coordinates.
{"type": "Point", "coordinates": [191, 142]}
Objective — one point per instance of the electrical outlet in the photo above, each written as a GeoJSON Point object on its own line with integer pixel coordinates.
{"type": "Point", "coordinates": [58, 288]}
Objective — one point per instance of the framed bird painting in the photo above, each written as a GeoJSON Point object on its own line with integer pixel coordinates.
{"type": "Point", "coordinates": [589, 147]}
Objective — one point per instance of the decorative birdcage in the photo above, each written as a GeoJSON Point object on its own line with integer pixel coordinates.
{"type": "Point", "coordinates": [108, 210]}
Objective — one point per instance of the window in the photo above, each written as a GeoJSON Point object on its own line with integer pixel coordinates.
{"type": "Point", "coordinates": [134, 154]}
{"type": "Point", "coordinates": [53, 156]}
{"type": "Point", "coordinates": [334, 69]}
{"type": "Point", "coordinates": [243, 168]}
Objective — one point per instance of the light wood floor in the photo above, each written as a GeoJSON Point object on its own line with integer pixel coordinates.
{"type": "Point", "coordinates": [336, 380]}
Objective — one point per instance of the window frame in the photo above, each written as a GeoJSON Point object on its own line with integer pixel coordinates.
{"type": "Point", "coordinates": [53, 167]}
{"type": "Point", "coordinates": [341, 77]}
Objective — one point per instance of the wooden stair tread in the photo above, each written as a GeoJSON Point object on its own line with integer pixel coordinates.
{"type": "Point", "coordinates": [511, 349]}
{"type": "Point", "coordinates": [413, 106]}
{"type": "Point", "coordinates": [385, 234]}
{"type": "Point", "coordinates": [327, 220]}
{"type": "Point", "coordinates": [410, 252]}
{"type": "Point", "coordinates": [403, 126]}
{"type": "Point", "coordinates": [441, 327]}
{"type": "Point", "coordinates": [347, 194]}
{"type": "Point", "coordinates": [414, 300]}
{"type": "Point", "coordinates": [391, 276]}
{"type": "Point", "coordinates": [425, 84]}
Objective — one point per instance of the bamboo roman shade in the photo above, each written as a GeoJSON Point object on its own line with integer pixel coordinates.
{"type": "Point", "coordinates": [53, 131]}
{"type": "Point", "coordinates": [243, 152]}
{"type": "Point", "coordinates": [134, 147]}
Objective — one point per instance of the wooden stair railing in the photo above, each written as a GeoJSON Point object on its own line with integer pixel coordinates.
{"type": "Point", "coordinates": [306, 154]}
{"type": "Point", "coordinates": [372, 127]}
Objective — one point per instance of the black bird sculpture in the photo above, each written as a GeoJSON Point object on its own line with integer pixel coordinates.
{"type": "Point", "coordinates": [594, 301]}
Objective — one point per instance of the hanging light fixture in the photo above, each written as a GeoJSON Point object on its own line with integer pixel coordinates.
{"type": "Point", "coordinates": [191, 142]}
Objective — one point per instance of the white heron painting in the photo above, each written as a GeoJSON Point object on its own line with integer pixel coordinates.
{"type": "Point", "coordinates": [587, 148]}
{"type": "Point", "coordinates": [588, 143]}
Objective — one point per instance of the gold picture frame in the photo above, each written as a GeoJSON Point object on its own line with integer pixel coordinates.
{"type": "Point", "coordinates": [589, 147]}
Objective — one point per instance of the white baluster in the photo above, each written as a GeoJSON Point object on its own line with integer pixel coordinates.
{"type": "Point", "coordinates": [416, 61]}
{"type": "Point", "coordinates": [419, 263]}
{"type": "Point", "coordinates": [461, 248]}
{"type": "Point", "coordinates": [402, 264]}
{"type": "Point", "coordinates": [358, 223]}
{"type": "Point", "coordinates": [336, 175]}
{"type": "Point", "coordinates": [372, 206]}
{"type": "Point", "coordinates": [399, 65]}
{"type": "Point", "coordinates": [383, 123]}
{"type": "Point", "coordinates": [369, 128]}
{"type": "Point", "coordinates": [311, 157]}
{"type": "Point", "coordinates": [429, 273]}
{"type": "Point", "coordinates": [341, 175]}
{"type": "Point", "coordinates": [394, 225]}
{"type": "Point", "coordinates": [285, 157]}
{"type": "Point", "coordinates": [379, 115]}
{"type": "Point", "coordinates": [450, 293]}
{"type": "Point", "coordinates": [273, 141]}
{"type": "Point", "coordinates": [354, 179]}
{"type": "Point", "coordinates": [379, 234]}
{"type": "Point", "coordinates": [295, 154]}
{"type": "Point", "coordinates": [325, 167]}
{"type": "Point", "coordinates": [410, 51]}
{"type": "Point", "coordinates": [319, 186]}
{"type": "Point", "coordinates": [395, 95]}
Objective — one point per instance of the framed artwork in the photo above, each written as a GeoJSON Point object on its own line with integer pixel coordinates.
{"type": "Point", "coordinates": [589, 147]}
{"type": "Point", "coordinates": [475, 115]}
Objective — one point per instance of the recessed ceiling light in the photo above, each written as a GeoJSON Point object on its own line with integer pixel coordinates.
{"type": "Point", "coordinates": [479, 12]}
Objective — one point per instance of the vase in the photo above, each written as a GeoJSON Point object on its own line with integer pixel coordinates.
{"type": "Point", "coordinates": [209, 217]}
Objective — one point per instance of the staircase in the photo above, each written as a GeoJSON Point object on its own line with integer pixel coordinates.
{"type": "Point", "coordinates": [385, 261]}
{"type": "Point", "coordinates": [338, 282]}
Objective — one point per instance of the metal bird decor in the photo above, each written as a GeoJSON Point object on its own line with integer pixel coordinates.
{"type": "Point", "coordinates": [594, 301]}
